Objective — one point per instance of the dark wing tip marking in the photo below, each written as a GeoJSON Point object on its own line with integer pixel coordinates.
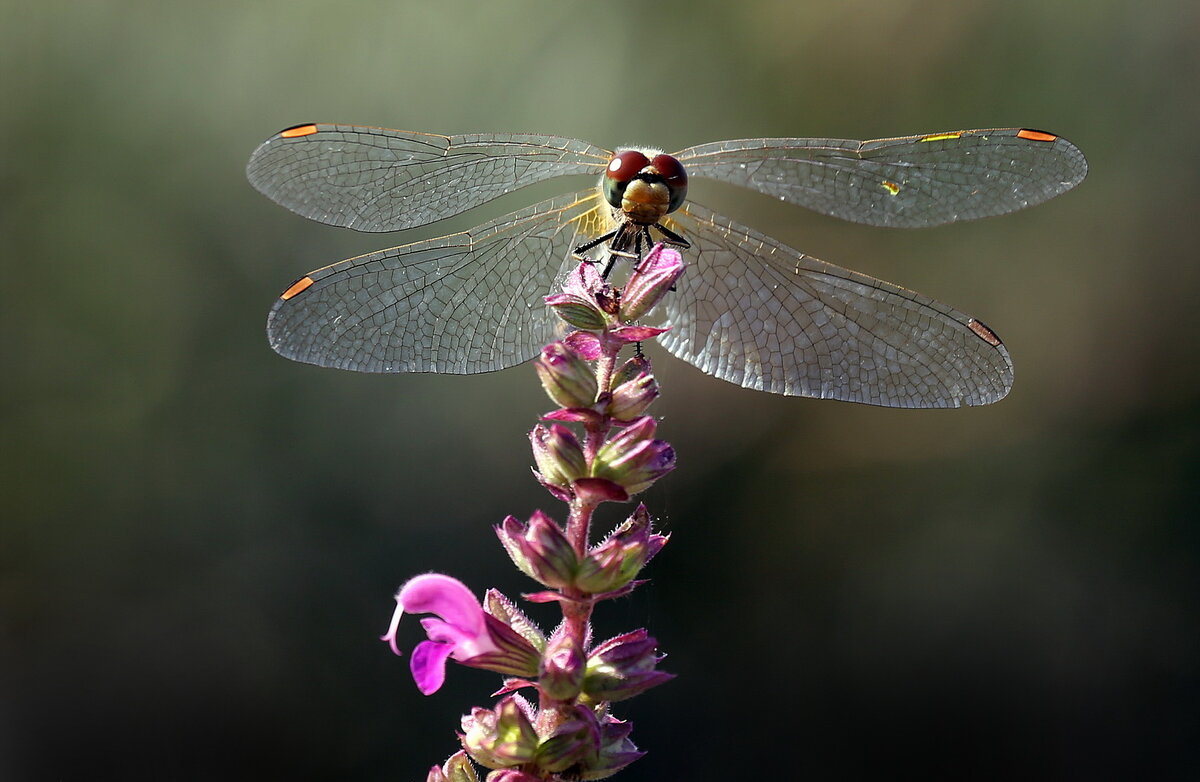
{"type": "Point", "coordinates": [984, 333]}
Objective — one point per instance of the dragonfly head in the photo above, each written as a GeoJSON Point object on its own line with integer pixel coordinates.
{"type": "Point", "coordinates": [644, 185]}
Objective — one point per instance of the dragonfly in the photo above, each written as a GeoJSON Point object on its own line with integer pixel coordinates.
{"type": "Point", "coordinates": [749, 309]}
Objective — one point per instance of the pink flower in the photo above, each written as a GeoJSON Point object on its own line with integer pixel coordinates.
{"type": "Point", "coordinates": [587, 301]}
{"type": "Point", "coordinates": [650, 281]}
{"type": "Point", "coordinates": [460, 631]}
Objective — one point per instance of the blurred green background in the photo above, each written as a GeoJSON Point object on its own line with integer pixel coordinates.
{"type": "Point", "coordinates": [200, 539]}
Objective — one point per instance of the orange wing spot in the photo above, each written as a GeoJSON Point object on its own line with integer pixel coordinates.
{"type": "Point", "coordinates": [298, 287]}
{"type": "Point", "coordinates": [942, 137]}
{"type": "Point", "coordinates": [984, 333]}
{"type": "Point", "coordinates": [298, 131]}
{"type": "Point", "coordinates": [891, 187]}
{"type": "Point", "coordinates": [1036, 135]}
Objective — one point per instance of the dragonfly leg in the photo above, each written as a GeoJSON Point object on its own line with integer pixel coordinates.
{"type": "Point", "coordinates": [644, 242]}
{"type": "Point", "coordinates": [672, 237]}
{"type": "Point", "coordinates": [612, 259]}
{"type": "Point", "coordinates": [578, 252]}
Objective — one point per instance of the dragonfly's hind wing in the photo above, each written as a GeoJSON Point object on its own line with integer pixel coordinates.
{"type": "Point", "coordinates": [764, 316]}
{"type": "Point", "coordinates": [460, 304]}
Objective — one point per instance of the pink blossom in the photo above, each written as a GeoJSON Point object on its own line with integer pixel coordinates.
{"type": "Point", "coordinates": [650, 281]}
{"type": "Point", "coordinates": [459, 631]}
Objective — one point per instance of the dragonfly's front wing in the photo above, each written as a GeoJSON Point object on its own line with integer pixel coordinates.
{"type": "Point", "coordinates": [375, 179]}
{"type": "Point", "coordinates": [760, 314]}
{"type": "Point", "coordinates": [459, 304]}
{"type": "Point", "coordinates": [907, 182]}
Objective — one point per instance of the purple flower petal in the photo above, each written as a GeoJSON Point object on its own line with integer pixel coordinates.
{"type": "Point", "coordinates": [444, 632]}
{"type": "Point", "coordinates": [637, 333]}
{"type": "Point", "coordinates": [449, 598]}
{"type": "Point", "coordinates": [428, 665]}
{"type": "Point", "coordinates": [585, 343]}
{"type": "Point", "coordinates": [577, 415]}
{"type": "Point", "coordinates": [597, 490]}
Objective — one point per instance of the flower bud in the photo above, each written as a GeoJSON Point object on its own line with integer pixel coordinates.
{"type": "Point", "coordinates": [512, 775]}
{"type": "Point", "coordinates": [623, 667]}
{"type": "Point", "coordinates": [539, 549]}
{"type": "Point", "coordinates": [573, 741]}
{"type": "Point", "coordinates": [650, 281]}
{"type": "Point", "coordinates": [561, 673]}
{"type": "Point", "coordinates": [633, 389]}
{"type": "Point", "coordinates": [615, 562]}
{"type": "Point", "coordinates": [501, 737]}
{"type": "Point", "coordinates": [632, 459]}
{"type": "Point", "coordinates": [457, 768]}
{"type": "Point", "coordinates": [580, 313]}
{"type": "Point", "coordinates": [568, 379]}
{"type": "Point", "coordinates": [616, 750]}
{"type": "Point", "coordinates": [583, 298]}
{"type": "Point", "coordinates": [629, 370]}
{"type": "Point", "coordinates": [558, 455]}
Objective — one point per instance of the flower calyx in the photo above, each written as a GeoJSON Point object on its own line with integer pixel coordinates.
{"type": "Point", "coordinates": [567, 378]}
{"type": "Point", "coordinates": [539, 549]}
{"type": "Point", "coordinates": [632, 458]}
{"type": "Point", "coordinates": [559, 458]}
{"type": "Point", "coordinates": [586, 301]}
{"type": "Point", "coordinates": [512, 775]}
{"type": "Point", "coordinates": [503, 736]}
{"type": "Point", "coordinates": [616, 750]}
{"type": "Point", "coordinates": [574, 741]}
{"type": "Point", "coordinates": [631, 390]}
{"type": "Point", "coordinates": [457, 768]}
{"type": "Point", "coordinates": [615, 562]}
{"type": "Point", "coordinates": [585, 742]}
{"type": "Point", "coordinates": [562, 670]}
{"type": "Point", "coordinates": [623, 667]}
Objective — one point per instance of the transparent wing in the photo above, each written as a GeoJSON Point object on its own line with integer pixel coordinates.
{"type": "Point", "coordinates": [757, 313]}
{"type": "Point", "coordinates": [459, 304]}
{"type": "Point", "coordinates": [900, 182]}
{"type": "Point", "coordinates": [373, 179]}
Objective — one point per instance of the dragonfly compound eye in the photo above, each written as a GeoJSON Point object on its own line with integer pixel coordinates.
{"type": "Point", "coordinates": [620, 172]}
{"type": "Point", "coordinates": [673, 175]}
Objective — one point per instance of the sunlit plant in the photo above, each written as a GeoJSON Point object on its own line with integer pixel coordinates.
{"type": "Point", "coordinates": [555, 720]}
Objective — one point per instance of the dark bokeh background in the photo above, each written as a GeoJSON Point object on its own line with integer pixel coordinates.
{"type": "Point", "coordinates": [200, 539]}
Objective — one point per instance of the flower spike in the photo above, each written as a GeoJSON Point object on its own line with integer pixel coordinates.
{"type": "Point", "coordinates": [598, 446]}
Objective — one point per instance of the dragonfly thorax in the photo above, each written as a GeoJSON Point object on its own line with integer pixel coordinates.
{"type": "Point", "coordinates": [644, 189]}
